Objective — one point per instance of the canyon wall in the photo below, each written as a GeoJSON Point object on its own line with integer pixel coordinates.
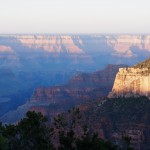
{"type": "Point", "coordinates": [76, 44]}
{"type": "Point", "coordinates": [123, 44]}
{"type": "Point", "coordinates": [79, 90]}
{"type": "Point", "coordinates": [132, 81]}
{"type": "Point", "coordinates": [48, 60]}
{"type": "Point", "coordinates": [78, 52]}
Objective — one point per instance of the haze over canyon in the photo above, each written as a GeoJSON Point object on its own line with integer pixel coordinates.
{"type": "Point", "coordinates": [31, 61]}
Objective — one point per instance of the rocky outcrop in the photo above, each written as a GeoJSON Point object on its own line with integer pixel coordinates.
{"type": "Point", "coordinates": [133, 81]}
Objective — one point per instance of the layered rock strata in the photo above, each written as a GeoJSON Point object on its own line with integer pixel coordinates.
{"type": "Point", "coordinates": [79, 90]}
{"type": "Point", "coordinates": [121, 45]}
{"type": "Point", "coordinates": [131, 82]}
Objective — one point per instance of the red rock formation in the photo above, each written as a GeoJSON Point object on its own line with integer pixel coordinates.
{"type": "Point", "coordinates": [75, 44]}
{"type": "Point", "coordinates": [80, 89]}
{"type": "Point", "coordinates": [132, 81]}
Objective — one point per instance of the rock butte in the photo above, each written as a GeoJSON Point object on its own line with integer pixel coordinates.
{"type": "Point", "coordinates": [131, 82]}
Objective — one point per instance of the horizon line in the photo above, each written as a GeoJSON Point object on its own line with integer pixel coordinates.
{"type": "Point", "coordinates": [74, 33]}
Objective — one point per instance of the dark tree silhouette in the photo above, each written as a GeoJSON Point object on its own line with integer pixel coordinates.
{"type": "Point", "coordinates": [30, 133]}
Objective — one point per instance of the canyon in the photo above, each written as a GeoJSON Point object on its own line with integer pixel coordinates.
{"type": "Point", "coordinates": [76, 49]}
{"type": "Point", "coordinates": [80, 89]}
{"type": "Point", "coordinates": [77, 44]}
{"type": "Point", "coordinates": [44, 60]}
{"type": "Point", "coordinates": [62, 72]}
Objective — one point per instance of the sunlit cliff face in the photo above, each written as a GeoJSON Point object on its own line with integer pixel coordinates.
{"type": "Point", "coordinates": [131, 82]}
{"type": "Point", "coordinates": [121, 44]}
{"type": "Point", "coordinates": [51, 44]}
{"type": "Point", "coordinates": [96, 50]}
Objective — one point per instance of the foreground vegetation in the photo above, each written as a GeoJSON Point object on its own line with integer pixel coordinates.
{"type": "Point", "coordinates": [33, 133]}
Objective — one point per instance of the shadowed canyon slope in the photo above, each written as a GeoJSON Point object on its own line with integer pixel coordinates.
{"type": "Point", "coordinates": [118, 117]}
{"type": "Point", "coordinates": [48, 60]}
{"type": "Point", "coordinates": [79, 90]}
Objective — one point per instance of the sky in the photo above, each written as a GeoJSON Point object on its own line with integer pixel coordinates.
{"type": "Point", "coordinates": [74, 16]}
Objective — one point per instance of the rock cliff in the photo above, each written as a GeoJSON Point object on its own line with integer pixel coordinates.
{"type": "Point", "coordinates": [120, 45]}
{"type": "Point", "coordinates": [123, 44]}
{"type": "Point", "coordinates": [78, 52]}
{"type": "Point", "coordinates": [133, 81]}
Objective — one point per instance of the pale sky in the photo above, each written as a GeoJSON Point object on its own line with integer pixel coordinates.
{"type": "Point", "coordinates": [74, 16]}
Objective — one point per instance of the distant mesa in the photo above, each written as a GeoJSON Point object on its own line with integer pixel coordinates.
{"type": "Point", "coordinates": [122, 45]}
{"type": "Point", "coordinates": [4, 48]}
